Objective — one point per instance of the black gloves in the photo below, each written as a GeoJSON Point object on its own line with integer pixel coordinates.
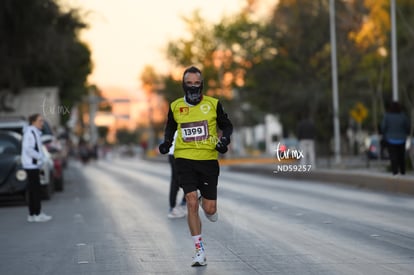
{"type": "Point", "coordinates": [221, 145]}
{"type": "Point", "coordinates": [164, 147]}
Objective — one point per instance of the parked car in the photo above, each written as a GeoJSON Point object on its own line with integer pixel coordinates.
{"type": "Point", "coordinates": [16, 124]}
{"type": "Point", "coordinates": [57, 155]}
{"type": "Point", "coordinates": [51, 172]}
{"type": "Point", "coordinates": [47, 175]}
{"type": "Point", "coordinates": [56, 144]}
{"type": "Point", "coordinates": [13, 178]}
{"type": "Point", "coordinates": [14, 129]}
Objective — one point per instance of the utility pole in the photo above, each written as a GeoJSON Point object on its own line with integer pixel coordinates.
{"type": "Point", "coordinates": [394, 53]}
{"type": "Point", "coordinates": [93, 107]}
{"type": "Point", "coordinates": [337, 137]}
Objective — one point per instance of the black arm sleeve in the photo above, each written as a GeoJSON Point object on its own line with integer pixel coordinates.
{"type": "Point", "coordinates": [223, 122]}
{"type": "Point", "coordinates": [170, 127]}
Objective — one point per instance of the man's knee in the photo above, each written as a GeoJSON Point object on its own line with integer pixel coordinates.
{"type": "Point", "coordinates": [192, 200]}
{"type": "Point", "coordinates": [209, 206]}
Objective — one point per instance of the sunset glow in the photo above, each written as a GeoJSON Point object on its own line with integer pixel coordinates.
{"type": "Point", "coordinates": [126, 35]}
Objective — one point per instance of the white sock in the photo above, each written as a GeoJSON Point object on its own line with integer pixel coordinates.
{"type": "Point", "coordinates": [198, 242]}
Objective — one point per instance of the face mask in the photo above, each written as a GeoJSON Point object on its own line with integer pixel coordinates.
{"type": "Point", "coordinates": [193, 94]}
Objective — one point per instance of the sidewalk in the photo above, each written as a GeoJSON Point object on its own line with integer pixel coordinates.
{"type": "Point", "coordinates": [356, 173]}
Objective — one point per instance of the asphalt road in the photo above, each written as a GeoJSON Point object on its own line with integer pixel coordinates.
{"type": "Point", "coordinates": [112, 219]}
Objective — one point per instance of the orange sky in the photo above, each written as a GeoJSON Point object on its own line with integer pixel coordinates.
{"type": "Point", "coordinates": [126, 35]}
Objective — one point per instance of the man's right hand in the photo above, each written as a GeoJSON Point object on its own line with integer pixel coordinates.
{"type": "Point", "coordinates": [164, 147]}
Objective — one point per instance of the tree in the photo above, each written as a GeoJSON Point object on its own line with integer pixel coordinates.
{"type": "Point", "coordinates": [244, 45]}
{"type": "Point", "coordinates": [149, 80]}
{"type": "Point", "coordinates": [297, 78]}
{"type": "Point", "coordinates": [370, 43]}
{"type": "Point", "coordinates": [103, 132]}
{"type": "Point", "coordinates": [405, 34]}
{"type": "Point", "coordinates": [223, 51]}
{"type": "Point", "coordinates": [284, 65]}
{"type": "Point", "coordinates": [40, 47]}
{"type": "Point", "coordinates": [196, 50]}
{"type": "Point", "coordinates": [370, 76]}
{"type": "Point", "coordinates": [126, 137]}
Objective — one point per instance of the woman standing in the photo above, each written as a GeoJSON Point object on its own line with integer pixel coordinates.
{"type": "Point", "coordinates": [32, 159]}
{"type": "Point", "coordinates": [395, 128]}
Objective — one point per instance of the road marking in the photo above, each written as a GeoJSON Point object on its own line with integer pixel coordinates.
{"type": "Point", "coordinates": [86, 253]}
{"type": "Point", "coordinates": [78, 218]}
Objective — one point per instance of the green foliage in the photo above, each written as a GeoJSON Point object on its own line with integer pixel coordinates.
{"type": "Point", "coordinates": [40, 47]}
{"type": "Point", "coordinates": [295, 80]}
{"type": "Point", "coordinates": [405, 37]}
{"type": "Point", "coordinates": [195, 50]}
{"type": "Point", "coordinates": [172, 89]}
{"type": "Point", "coordinates": [103, 132]}
{"type": "Point", "coordinates": [283, 65]}
{"type": "Point", "coordinates": [124, 136]}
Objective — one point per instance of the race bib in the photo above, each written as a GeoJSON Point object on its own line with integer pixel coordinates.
{"type": "Point", "coordinates": [194, 131]}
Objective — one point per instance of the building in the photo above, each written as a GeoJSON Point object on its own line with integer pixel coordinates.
{"type": "Point", "coordinates": [42, 100]}
{"type": "Point", "coordinates": [131, 110]}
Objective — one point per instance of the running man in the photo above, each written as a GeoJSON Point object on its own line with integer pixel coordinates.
{"type": "Point", "coordinates": [197, 119]}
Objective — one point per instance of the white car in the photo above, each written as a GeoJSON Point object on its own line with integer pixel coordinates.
{"type": "Point", "coordinates": [46, 175]}
{"type": "Point", "coordinates": [17, 125]}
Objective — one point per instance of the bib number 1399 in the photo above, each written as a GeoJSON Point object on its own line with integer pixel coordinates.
{"type": "Point", "coordinates": [194, 131]}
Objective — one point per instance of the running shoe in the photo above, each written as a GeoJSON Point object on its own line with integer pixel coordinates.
{"type": "Point", "coordinates": [199, 258]}
{"type": "Point", "coordinates": [212, 218]}
{"type": "Point", "coordinates": [183, 208]}
{"type": "Point", "coordinates": [42, 217]}
{"type": "Point", "coordinates": [176, 213]}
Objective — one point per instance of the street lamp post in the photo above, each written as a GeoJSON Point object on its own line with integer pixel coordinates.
{"type": "Point", "coordinates": [394, 53]}
{"type": "Point", "coordinates": [337, 138]}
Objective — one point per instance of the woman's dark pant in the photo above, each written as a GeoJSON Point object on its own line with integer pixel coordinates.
{"type": "Point", "coordinates": [34, 188]}
{"type": "Point", "coordinates": [174, 184]}
{"type": "Point", "coordinates": [397, 158]}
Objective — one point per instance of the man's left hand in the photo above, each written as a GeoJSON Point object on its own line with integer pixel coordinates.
{"type": "Point", "coordinates": [221, 145]}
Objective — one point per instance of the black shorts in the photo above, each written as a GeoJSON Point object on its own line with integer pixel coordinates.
{"type": "Point", "coordinates": [198, 174]}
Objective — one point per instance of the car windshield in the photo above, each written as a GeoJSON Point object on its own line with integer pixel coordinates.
{"type": "Point", "coordinates": [8, 145]}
